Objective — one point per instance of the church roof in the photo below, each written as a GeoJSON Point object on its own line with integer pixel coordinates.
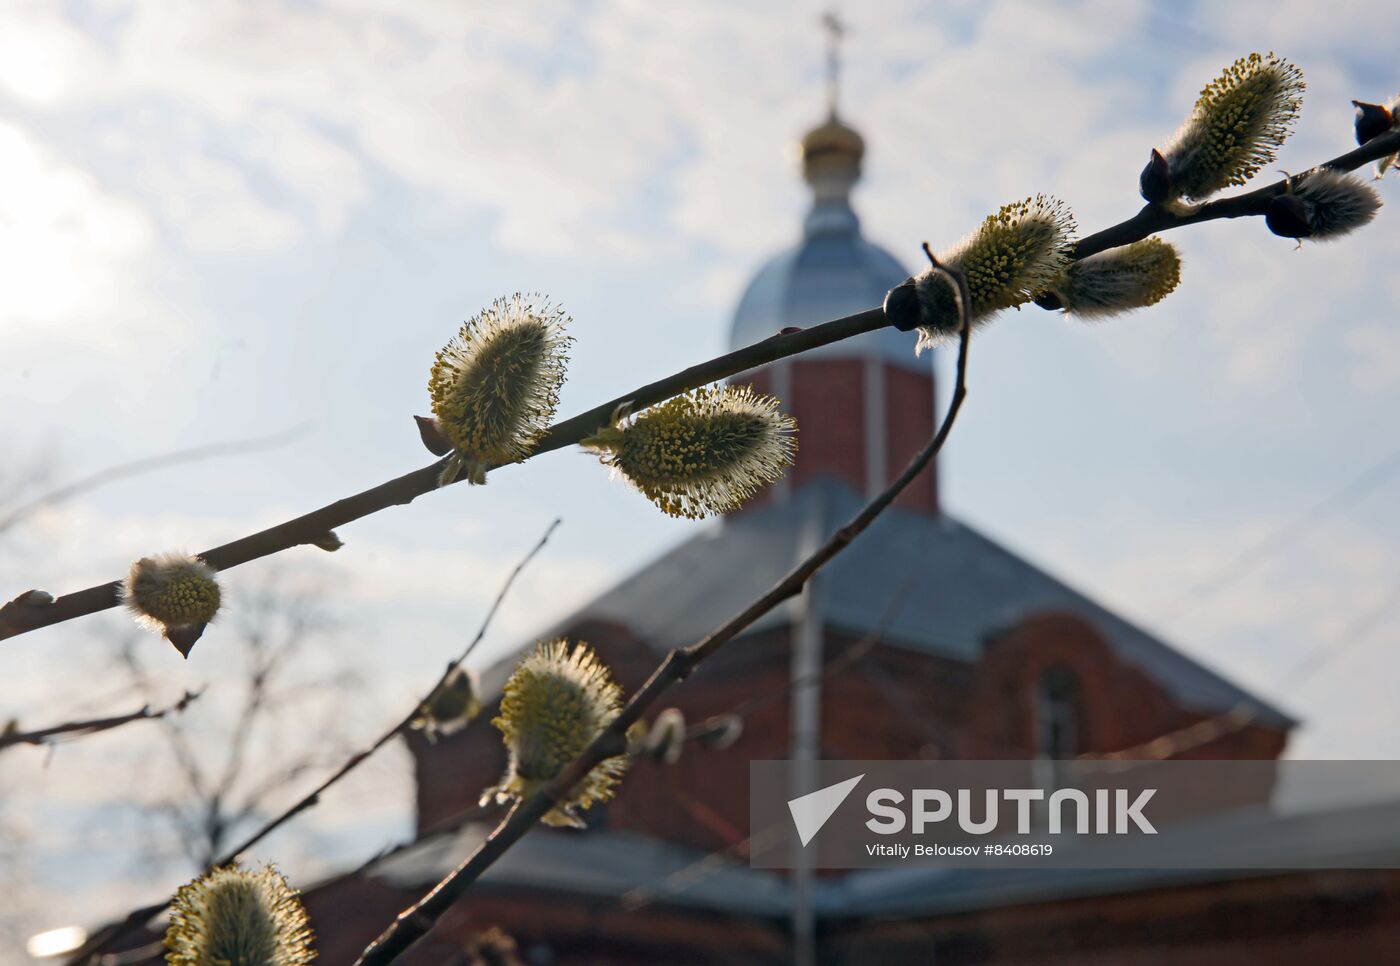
{"type": "Point", "coordinates": [607, 863]}
{"type": "Point", "coordinates": [965, 586]}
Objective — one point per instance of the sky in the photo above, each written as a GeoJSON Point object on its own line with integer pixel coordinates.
{"type": "Point", "coordinates": [229, 220]}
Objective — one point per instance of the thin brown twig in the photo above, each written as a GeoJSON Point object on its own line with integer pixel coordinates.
{"type": "Point", "coordinates": [77, 729]}
{"type": "Point", "coordinates": [139, 917]}
{"type": "Point", "coordinates": [413, 923]}
{"type": "Point", "coordinates": [26, 613]}
{"type": "Point", "coordinates": [145, 464]}
{"type": "Point", "coordinates": [1187, 738]}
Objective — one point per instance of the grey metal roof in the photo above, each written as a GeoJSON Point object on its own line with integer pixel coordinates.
{"type": "Point", "coordinates": [964, 586]}
{"type": "Point", "coordinates": [601, 862]}
{"type": "Point", "coordinates": [830, 273]}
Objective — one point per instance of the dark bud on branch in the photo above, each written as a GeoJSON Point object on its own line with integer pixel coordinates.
{"type": "Point", "coordinates": [184, 636]}
{"type": "Point", "coordinates": [432, 436]}
{"type": "Point", "coordinates": [1288, 216]}
{"type": "Point", "coordinates": [1155, 182]}
{"type": "Point", "coordinates": [1372, 120]}
{"type": "Point", "coordinates": [902, 306]}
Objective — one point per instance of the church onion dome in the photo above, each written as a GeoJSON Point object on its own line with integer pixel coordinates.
{"type": "Point", "coordinates": [832, 145]}
{"type": "Point", "coordinates": [832, 271]}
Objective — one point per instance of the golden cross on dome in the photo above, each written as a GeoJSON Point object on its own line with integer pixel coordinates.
{"type": "Point", "coordinates": [835, 33]}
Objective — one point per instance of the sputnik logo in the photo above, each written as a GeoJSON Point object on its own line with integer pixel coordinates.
{"type": "Point", "coordinates": [811, 811]}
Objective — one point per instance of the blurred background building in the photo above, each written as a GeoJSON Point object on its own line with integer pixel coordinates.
{"type": "Point", "coordinates": [925, 639]}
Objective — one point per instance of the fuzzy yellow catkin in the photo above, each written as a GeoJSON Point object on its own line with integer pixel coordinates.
{"type": "Point", "coordinates": [171, 590]}
{"type": "Point", "coordinates": [558, 700]}
{"type": "Point", "coordinates": [1236, 127]}
{"type": "Point", "coordinates": [237, 917]}
{"type": "Point", "coordinates": [451, 707]}
{"type": "Point", "coordinates": [703, 452]}
{"type": "Point", "coordinates": [1335, 203]}
{"type": "Point", "coordinates": [495, 386]}
{"type": "Point", "coordinates": [1013, 256]}
{"type": "Point", "coordinates": [1119, 280]}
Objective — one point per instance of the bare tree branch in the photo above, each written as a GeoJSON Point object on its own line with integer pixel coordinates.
{"type": "Point", "coordinates": [1184, 739]}
{"type": "Point", "coordinates": [138, 918]}
{"type": "Point", "coordinates": [186, 761]}
{"type": "Point", "coordinates": [415, 922]}
{"type": "Point", "coordinates": [77, 729]}
{"type": "Point", "coordinates": [221, 791]}
{"type": "Point", "coordinates": [25, 614]}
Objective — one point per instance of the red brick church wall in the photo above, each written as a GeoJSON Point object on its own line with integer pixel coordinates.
{"type": "Point", "coordinates": [909, 406]}
{"type": "Point", "coordinates": [1122, 707]}
{"type": "Point", "coordinates": [893, 703]}
{"type": "Point", "coordinates": [829, 395]}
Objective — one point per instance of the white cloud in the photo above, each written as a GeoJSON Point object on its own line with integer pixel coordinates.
{"type": "Point", "coordinates": [70, 249]}
{"type": "Point", "coordinates": [557, 121]}
{"type": "Point", "coordinates": [1294, 26]}
{"type": "Point", "coordinates": [430, 94]}
{"type": "Point", "coordinates": [41, 54]}
{"type": "Point", "coordinates": [309, 165]}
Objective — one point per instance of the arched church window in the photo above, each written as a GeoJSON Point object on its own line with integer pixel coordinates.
{"type": "Point", "coordinates": [1058, 704]}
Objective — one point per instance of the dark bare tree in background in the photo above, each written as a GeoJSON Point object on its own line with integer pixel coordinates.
{"type": "Point", "coordinates": [277, 714]}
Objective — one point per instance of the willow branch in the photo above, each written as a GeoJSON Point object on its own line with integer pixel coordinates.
{"type": "Point", "coordinates": [139, 917]}
{"type": "Point", "coordinates": [28, 612]}
{"type": "Point", "coordinates": [415, 922]}
{"type": "Point", "coordinates": [76, 729]}
{"type": "Point", "coordinates": [1154, 219]}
